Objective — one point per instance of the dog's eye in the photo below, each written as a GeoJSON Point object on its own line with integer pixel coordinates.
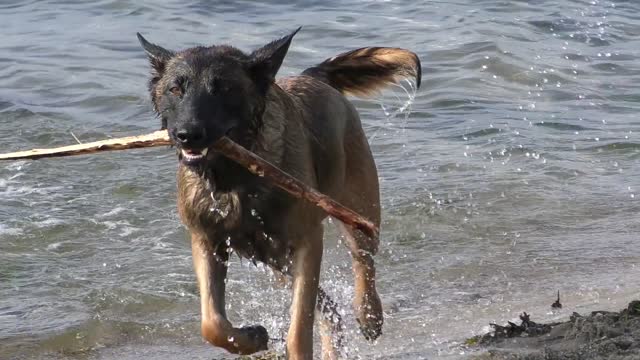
{"type": "Point", "coordinates": [176, 91]}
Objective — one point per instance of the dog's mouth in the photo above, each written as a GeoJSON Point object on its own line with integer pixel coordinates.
{"type": "Point", "coordinates": [193, 157]}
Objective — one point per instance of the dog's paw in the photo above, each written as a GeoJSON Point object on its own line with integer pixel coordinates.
{"type": "Point", "coordinates": [258, 335]}
{"type": "Point", "coordinates": [369, 316]}
{"type": "Point", "coordinates": [371, 329]}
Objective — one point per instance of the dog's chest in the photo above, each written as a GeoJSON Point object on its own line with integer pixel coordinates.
{"type": "Point", "coordinates": [259, 236]}
{"type": "Point", "coordinates": [249, 221]}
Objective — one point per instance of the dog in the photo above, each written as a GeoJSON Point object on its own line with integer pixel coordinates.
{"type": "Point", "coordinates": [306, 126]}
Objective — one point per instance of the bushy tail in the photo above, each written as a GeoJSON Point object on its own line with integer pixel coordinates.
{"type": "Point", "coordinates": [366, 71]}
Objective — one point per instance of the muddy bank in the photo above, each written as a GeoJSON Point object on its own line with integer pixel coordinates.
{"type": "Point", "coordinates": [599, 335]}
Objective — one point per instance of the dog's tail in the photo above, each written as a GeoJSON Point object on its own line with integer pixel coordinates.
{"type": "Point", "coordinates": [365, 71]}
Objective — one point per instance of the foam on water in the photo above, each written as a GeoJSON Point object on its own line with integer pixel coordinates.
{"type": "Point", "coordinates": [5, 230]}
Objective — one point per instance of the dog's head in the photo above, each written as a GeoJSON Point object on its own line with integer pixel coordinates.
{"type": "Point", "coordinates": [204, 93]}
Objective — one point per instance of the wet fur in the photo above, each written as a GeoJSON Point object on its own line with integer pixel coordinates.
{"type": "Point", "coordinates": [305, 126]}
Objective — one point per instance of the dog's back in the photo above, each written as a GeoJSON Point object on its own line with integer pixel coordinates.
{"type": "Point", "coordinates": [326, 126]}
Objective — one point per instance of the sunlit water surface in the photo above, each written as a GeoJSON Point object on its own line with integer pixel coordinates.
{"type": "Point", "coordinates": [515, 172]}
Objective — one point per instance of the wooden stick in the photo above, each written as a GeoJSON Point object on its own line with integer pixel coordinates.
{"type": "Point", "coordinates": [293, 186]}
{"type": "Point", "coordinates": [157, 138]}
{"type": "Point", "coordinates": [228, 148]}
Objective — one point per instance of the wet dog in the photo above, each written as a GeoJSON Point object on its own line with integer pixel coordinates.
{"type": "Point", "coordinates": [304, 125]}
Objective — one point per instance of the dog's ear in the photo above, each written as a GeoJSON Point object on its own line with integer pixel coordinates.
{"type": "Point", "coordinates": [158, 56]}
{"type": "Point", "coordinates": [266, 61]}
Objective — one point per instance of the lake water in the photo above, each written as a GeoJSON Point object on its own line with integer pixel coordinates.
{"type": "Point", "coordinates": [515, 173]}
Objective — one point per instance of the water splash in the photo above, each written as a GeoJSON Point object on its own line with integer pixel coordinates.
{"type": "Point", "coordinates": [216, 207]}
{"type": "Point", "coordinates": [400, 107]}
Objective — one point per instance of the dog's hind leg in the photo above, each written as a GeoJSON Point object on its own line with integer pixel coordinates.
{"type": "Point", "coordinates": [361, 193]}
{"type": "Point", "coordinates": [366, 301]}
{"type": "Point", "coordinates": [211, 270]}
{"type": "Point", "coordinates": [330, 326]}
{"type": "Point", "coordinates": [307, 258]}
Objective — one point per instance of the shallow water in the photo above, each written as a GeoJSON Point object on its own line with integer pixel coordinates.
{"type": "Point", "coordinates": [514, 174]}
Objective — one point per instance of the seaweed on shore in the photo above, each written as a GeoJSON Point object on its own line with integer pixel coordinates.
{"type": "Point", "coordinates": [600, 335]}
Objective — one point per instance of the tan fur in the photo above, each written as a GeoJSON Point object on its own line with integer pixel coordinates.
{"type": "Point", "coordinates": [364, 72]}
{"type": "Point", "coordinates": [200, 207]}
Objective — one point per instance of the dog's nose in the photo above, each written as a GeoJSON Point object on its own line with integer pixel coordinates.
{"type": "Point", "coordinates": [189, 135]}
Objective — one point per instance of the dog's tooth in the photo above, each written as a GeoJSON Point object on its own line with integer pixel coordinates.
{"type": "Point", "coordinates": [204, 152]}
{"type": "Point", "coordinates": [193, 155]}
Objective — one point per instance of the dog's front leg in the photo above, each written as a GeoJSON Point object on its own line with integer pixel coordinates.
{"type": "Point", "coordinates": [211, 270]}
{"type": "Point", "coordinates": [307, 258]}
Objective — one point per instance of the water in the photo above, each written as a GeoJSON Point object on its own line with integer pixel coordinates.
{"type": "Point", "coordinates": [515, 173]}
